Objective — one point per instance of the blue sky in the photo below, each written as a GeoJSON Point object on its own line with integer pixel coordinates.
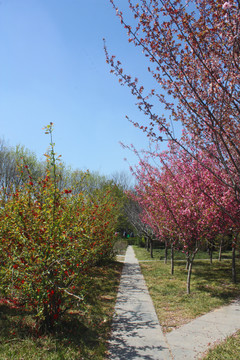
{"type": "Point", "coordinates": [53, 69]}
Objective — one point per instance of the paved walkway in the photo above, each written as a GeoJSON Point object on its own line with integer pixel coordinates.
{"type": "Point", "coordinates": [136, 333]}
{"type": "Point", "coordinates": [193, 339]}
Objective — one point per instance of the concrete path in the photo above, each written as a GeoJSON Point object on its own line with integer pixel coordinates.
{"type": "Point", "coordinates": [136, 333]}
{"type": "Point", "coordinates": [190, 341]}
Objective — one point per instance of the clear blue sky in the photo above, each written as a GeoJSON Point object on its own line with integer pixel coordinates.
{"type": "Point", "coordinates": [53, 69]}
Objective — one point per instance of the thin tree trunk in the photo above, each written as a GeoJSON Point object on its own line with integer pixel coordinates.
{"type": "Point", "coordinates": [172, 259]}
{"type": "Point", "coordinates": [189, 275]}
{"type": "Point", "coordinates": [166, 253]}
{"type": "Point", "coordinates": [234, 274]}
{"type": "Point", "coordinates": [151, 248]}
{"type": "Point", "coordinates": [210, 255]}
{"type": "Point", "coordinates": [190, 270]}
{"type": "Point", "coordinates": [188, 261]}
{"type": "Point", "coordinates": [220, 251]}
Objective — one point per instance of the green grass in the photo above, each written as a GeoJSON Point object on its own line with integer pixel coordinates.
{"type": "Point", "coordinates": [159, 254]}
{"type": "Point", "coordinates": [227, 350]}
{"type": "Point", "coordinates": [80, 335]}
{"type": "Point", "coordinates": [211, 287]}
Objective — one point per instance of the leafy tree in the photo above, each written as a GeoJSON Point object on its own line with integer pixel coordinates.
{"type": "Point", "coordinates": [137, 214]}
{"type": "Point", "coordinates": [13, 163]}
{"type": "Point", "coordinates": [120, 182]}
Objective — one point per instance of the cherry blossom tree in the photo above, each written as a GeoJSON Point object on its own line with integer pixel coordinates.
{"type": "Point", "coordinates": [193, 51]}
{"type": "Point", "coordinates": [186, 203]}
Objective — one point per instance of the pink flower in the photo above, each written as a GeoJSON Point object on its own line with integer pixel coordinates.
{"type": "Point", "coordinates": [226, 6]}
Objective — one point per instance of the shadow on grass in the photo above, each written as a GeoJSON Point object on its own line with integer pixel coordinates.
{"type": "Point", "coordinates": [73, 332]}
{"type": "Point", "coordinates": [213, 279]}
{"type": "Point", "coordinates": [81, 333]}
{"type": "Point", "coordinates": [216, 279]}
{"type": "Point", "coordinates": [15, 321]}
{"type": "Point", "coordinates": [20, 324]}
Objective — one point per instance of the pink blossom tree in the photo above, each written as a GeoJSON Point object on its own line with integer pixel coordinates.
{"type": "Point", "coordinates": [193, 51]}
{"type": "Point", "coordinates": [185, 201]}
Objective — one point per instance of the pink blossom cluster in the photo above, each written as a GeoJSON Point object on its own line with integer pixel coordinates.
{"type": "Point", "coordinates": [185, 200]}
{"type": "Point", "coordinates": [226, 5]}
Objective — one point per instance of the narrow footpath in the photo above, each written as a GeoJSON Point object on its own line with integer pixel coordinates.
{"type": "Point", "coordinates": [137, 334]}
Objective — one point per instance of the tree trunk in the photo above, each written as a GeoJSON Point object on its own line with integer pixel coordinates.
{"type": "Point", "coordinates": [189, 275]}
{"type": "Point", "coordinates": [220, 251]}
{"type": "Point", "coordinates": [190, 270]}
{"type": "Point", "coordinates": [166, 253]}
{"type": "Point", "coordinates": [188, 261]}
{"type": "Point", "coordinates": [234, 275]}
{"type": "Point", "coordinates": [172, 259]}
{"type": "Point", "coordinates": [210, 255]}
{"type": "Point", "coordinates": [151, 248]}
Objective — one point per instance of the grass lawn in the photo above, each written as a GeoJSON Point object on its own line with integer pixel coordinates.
{"type": "Point", "coordinates": [228, 350]}
{"type": "Point", "coordinates": [211, 287]}
{"type": "Point", "coordinates": [159, 254]}
{"type": "Point", "coordinates": [81, 334]}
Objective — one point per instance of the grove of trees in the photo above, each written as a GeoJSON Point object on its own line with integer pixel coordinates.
{"type": "Point", "coordinates": [190, 193]}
